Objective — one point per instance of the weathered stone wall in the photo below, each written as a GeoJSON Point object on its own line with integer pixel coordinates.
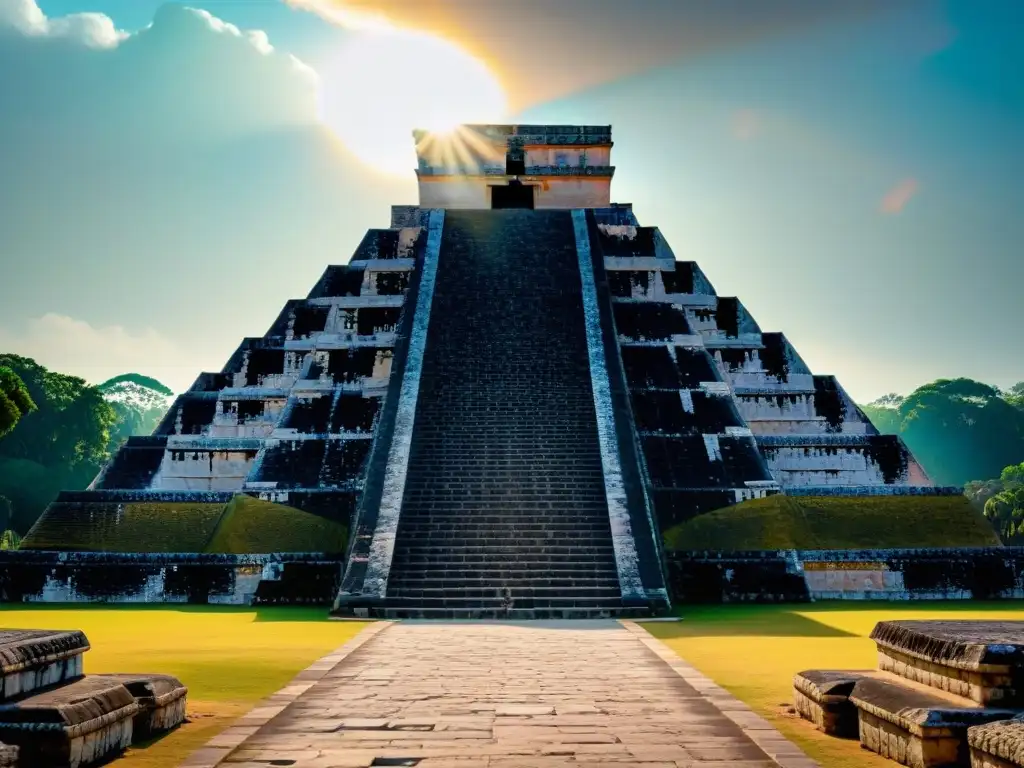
{"type": "Point", "coordinates": [883, 574]}
{"type": "Point", "coordinates": [568, 166]}
{"type": "Point", "coordinates": [794, 414]}
{"type": "Point", "coordinates": [567, 156]}
{"type": "Point", "coordinates": [80, 577]}
{"type": "Point", "coordinates": [697, 451]}
{"type": "Point", "coordinates": [296, 408]}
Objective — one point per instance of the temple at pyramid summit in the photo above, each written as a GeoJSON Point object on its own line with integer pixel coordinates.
{"type": "Point", "coordinates": [496, 408]}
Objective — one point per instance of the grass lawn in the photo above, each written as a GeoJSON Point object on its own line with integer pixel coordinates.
{"type": "Point", "coordinates": [754, 650]}
{"type": "Point", "coordinates": [229, 658]}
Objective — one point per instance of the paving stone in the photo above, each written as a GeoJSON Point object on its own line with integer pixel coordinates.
{"type": "Point", "coordinates": [544, 693]}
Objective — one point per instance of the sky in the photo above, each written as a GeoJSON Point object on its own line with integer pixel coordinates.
{"type": "Point", "coordinates": [852, 171]}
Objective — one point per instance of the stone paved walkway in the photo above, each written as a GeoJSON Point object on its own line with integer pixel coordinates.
{"type": "Point", "coordinates": [474, 694]}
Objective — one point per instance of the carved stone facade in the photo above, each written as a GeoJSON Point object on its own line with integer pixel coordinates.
{"type": "Point", "coordinates": [561, 166]}
{"type": "Point", "coordinates": [672, 323]}
{"type": "Point", "coordinates": [291, 417]}
{"type": "Point", "coordinates": [583, 391]}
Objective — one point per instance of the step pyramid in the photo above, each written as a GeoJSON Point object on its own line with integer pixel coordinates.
{"type": "Point", "coordinates": [506, 398]}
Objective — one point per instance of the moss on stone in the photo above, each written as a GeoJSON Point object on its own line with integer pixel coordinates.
{"type": "Point", "coordinates": [253, 526]}
{"type": "Point", "coordinates": [124, 527]}
{"type": "Point", "coordinates": [836, 522]}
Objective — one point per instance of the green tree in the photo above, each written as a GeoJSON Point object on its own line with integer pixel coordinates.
{"type": "Point", "coordinates": [137, 379]}
{"type": "Point", "coordinates": [1005, 511]}
{"type": "Point", "coordinates": [62, 444]}
{"type": "Point", "coordinates": [15, 400]}
{"type": "Point", "coordinates": [884, 414]}
{"type": "Point", "coordinates": [1003, 502]}
{"type": "Point", "coordinates": [959, 429]}
{"type": "Point", "coordinates": [1015, 395]}
{"type": "Point", "coordinates": [139, 403]}
{"type": "Point", "coordinates": [980, 491]}
{"type": "Point", "coordinates": [1012, 476]}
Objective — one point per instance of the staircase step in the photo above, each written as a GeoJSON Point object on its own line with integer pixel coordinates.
{"type": "Point", "coordinates": [496, 573]}
{"type": "Point", "coordinates": [497, 559]}
{"type": "Point", "coordinates": [410, 581]}
{"type": "Point", "coordinates": [498, 593]}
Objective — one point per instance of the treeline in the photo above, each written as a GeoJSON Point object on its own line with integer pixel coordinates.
{"type": "Point", "coordinates": [959, 429]}
{"type": "Point", "coordinates": [965, 433]}
{"type": "Point", "coordinates": [62, 430]}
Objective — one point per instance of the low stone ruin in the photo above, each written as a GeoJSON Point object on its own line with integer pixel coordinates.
{"type": "Point", "coordinates": [54, 716]}
{"type": "Point", "coordinates": [946, 693]}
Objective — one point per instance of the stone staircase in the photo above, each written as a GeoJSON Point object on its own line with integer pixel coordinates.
{"type": "Point", "coordinates": [504, 513]}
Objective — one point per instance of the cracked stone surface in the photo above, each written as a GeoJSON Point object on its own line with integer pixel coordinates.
{"type": "Point", "coordinates": [500, 695]}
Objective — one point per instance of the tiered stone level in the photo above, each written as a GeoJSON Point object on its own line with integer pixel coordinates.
{"type": "Point", "coordinates": [291, 418]}
{"type": "Point", "coordinates": [946, 693]}
{"type": "Point", "coordinates": [53, 716]}
{"type": "Point", "coordinates": [505, 408]}
{"type": "Point", "coordinates": [679, 336]}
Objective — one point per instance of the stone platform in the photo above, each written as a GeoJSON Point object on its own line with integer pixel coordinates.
{"type": "Point", "coordinates": [80, 723]}
{"type": "Point", "coordinates": [980, 660]}
{"type": "Point", "coordinates": [823, 697]}
{"type": "Point", "coordinates": [946, 693]}
{"type": "Point", "coordinates": [997, 745]}
{"type": "Point", "coordinates": [503, 694]}
{"type": "Point", "coordinates": [53, 716]}
{"type": "Point", "coordinates": [916, 727]}
{"type": "Point", "coordinates": [161, 700]}
{"type": "Point", "coordinates": [35, 658]}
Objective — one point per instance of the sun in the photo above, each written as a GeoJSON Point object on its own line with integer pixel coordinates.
{"type": "Point", "coordinates": [385, 83]}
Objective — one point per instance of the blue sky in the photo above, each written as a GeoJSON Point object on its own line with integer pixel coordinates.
{"type": "Point", "coordinates": [856, 178]}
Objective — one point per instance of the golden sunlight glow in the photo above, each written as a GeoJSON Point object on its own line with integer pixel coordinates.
{"type": "Point", "coordinates": [385, 83]}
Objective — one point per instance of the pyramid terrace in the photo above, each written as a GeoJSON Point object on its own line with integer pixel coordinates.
{"type": "Point", "coordinates": [504, 398]}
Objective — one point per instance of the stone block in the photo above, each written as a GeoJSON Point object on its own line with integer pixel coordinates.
{"type": "Point", "coordinates": [997, 745]}
{"type": "Point", "coordinates": [78, 724]}
{"type": "Point", "coordinates": [161, 700]}
{"type": "Point", "coordinates": [914, 726]}
{"type": "Point", "coordinates": [35, 658]}
{"type": "Point", "coordinates": [979, 660]}
{"type": "Point", "coordinates": [8, 756]}
{"type": "Point", "coordinates": [823, 697]}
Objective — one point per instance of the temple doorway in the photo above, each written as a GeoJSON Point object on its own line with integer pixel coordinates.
{"type": "Point", "coordinates": [515, 195]}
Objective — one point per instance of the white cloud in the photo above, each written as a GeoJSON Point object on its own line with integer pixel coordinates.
{"type": "Point", "coordinates": [72, 346]}
{"type": "Point", "coordinates": [92, 29]}
{"type": "Point", "coordinates": [187, 77]}
{"type": "Point", "coordinates": [173, 186]}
